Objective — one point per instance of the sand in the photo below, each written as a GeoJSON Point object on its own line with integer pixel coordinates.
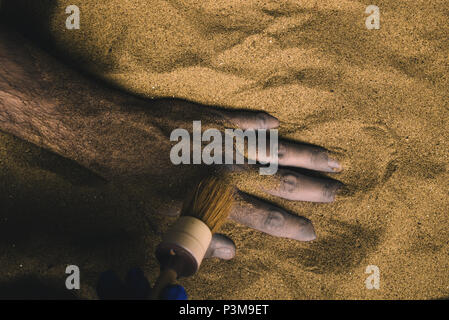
{"type": "Point", "coordinates": [377, 97]}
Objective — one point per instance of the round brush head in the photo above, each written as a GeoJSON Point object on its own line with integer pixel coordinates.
{"type": "Point", "coordinates": [210, 202]}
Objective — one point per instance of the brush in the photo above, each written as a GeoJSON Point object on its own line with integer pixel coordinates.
{"type": "Point", "coordinates": [183, 247]}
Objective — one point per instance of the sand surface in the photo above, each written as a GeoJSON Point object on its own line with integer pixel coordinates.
{"type": "Point", "coordinates": [378, 97]}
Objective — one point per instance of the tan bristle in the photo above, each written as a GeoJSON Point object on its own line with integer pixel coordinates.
{"type": "Point", "coordinates": [210, 202]}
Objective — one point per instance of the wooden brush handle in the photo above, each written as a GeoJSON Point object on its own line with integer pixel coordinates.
{"type": "Point", "coordinates": [167, 277]}
{"type": "Point", "coordinates": [189, 238]}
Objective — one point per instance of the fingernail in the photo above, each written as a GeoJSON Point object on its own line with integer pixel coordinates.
{"type": "Point", "coordinates": [306, 232]}
{"type": "Point", "coordinates": [224, 253]}
{"type": "Point", "coordinates": [269, 122]}
{"type": "Point", "coordinates": [334, 191]}
{"type": "Point", "coordinates": [273, 122]}
{"type": "Point", "coordinates": [334, 165]}
{"type": "Point", "coordinates": [310, 235]}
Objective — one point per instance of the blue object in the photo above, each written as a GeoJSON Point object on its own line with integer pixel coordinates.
{"type": "Point", "coordinates": [174, 292]}
{"type": "Point", "coordinates": [137, 284]}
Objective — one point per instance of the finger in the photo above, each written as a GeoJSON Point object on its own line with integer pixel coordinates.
{"type": "Point", "coordinates": [305, 156]}
{"type": "Point", "coordinates": [299, 187]}
{"type": "Point", "coordinates": [289, 153]}
{"type": "Point", "coordinates": [286, 184]}
{"type": "Point", "coordinates": [265, 217]}
{"type": "Point", "coordinates": [175, 109]}
{"type": "Point", "coordinates": [221, 247]}
{"type": "Point", "coordinates": [249, 119]}
{"type": "Point", "coordinates": [292, 154]}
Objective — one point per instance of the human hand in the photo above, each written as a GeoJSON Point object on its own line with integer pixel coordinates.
{"type": "Point", "coordinates": [126, 139]}
{"type": "Point", "coordinates": [144, 155]}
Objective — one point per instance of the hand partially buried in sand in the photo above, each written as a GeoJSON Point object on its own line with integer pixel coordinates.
{"type": "Point", "coordinates": [126, 139]}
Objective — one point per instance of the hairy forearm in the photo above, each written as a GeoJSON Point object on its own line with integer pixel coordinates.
{"type": "Point", "coordinates": [46, 103]}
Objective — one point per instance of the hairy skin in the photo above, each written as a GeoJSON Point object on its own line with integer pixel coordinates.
{"type": "Point", "coordinates": [124, 138]}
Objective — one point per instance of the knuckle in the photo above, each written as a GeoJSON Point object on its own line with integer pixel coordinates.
{"type": "Point", "coordinates": [282, 150]}
{"type": "Point", "coordinates": [289, 182]}
{"type": "Point", "coordinates": [274, 220]}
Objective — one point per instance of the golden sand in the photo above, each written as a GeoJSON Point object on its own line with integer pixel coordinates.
{"type": "Point", "coordinates": [379, 98]}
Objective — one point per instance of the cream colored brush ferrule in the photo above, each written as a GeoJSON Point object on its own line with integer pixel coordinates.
{"type": "Point", "coordinates": [191, 234]}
